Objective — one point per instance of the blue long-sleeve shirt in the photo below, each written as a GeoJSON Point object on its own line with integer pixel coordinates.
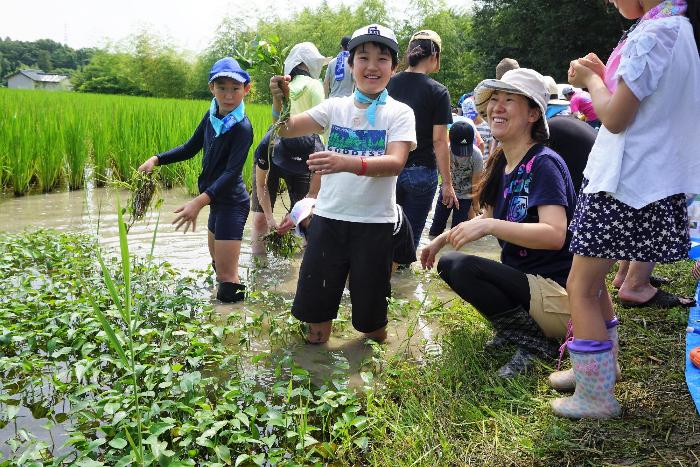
{"type": "Point", "coordinates": [223, 160]}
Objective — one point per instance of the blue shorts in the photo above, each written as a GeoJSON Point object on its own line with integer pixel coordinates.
{"type": "Point", "coordinates": [226, 221]}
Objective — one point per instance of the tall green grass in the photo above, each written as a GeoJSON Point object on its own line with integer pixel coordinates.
{"type": "Point", "coordinates": [48, 139]}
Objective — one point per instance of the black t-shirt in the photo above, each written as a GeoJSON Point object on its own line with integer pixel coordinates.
{"type": "Point", "coordinates": [572, 139]}
{"type": "Point", "coordinates": [289, 154]}
{"type": "Point", "coordinates": [540, 179]}
{"type": "Point", "coordinates": [430, 102]}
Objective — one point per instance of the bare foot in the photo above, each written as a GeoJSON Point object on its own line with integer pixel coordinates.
{"type": "Point", "coordinates": [319, 333]}
{"type": "Point", "coordinates": [379, 335]}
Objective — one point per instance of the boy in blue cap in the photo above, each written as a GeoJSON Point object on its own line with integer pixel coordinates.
{"type": "Point", "coordinates": [369, 136]}
{"type": "Point", "coordinates": [226, 135]}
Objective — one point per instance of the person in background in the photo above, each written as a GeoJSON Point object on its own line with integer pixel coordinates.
{"type": "Point", "coordinates": [466, 166]}
{"type": "Point", "coordinates": [482, 127]}
{"type": "Point", "coordinates": [338, 81]}
{"type": "Point", "coordinates": [225, 134]}
{"type": "Point", "coordinates": [581, 105]}
{"type": "Point", "coordinates": [506, 65]}
{"type": "Point", "coordinates": [430, 101]}
{"type": "Point", "coordinates": [303, 64]}
{"type": "Point", "coordinates": [555, 106]}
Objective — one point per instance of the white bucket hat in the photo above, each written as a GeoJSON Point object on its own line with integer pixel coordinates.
{"type": "Point", "coordinates": [308, 54]}
{"type": "Point", "coordinates": [524, 81]}
{"type": "Point", "coordinates": [300, 211]}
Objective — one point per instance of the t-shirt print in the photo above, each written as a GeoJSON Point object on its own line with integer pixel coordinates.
{"type": "Point", "coordinates": [519, 189]}
{"type": "Point", "coordinates": [350, 142]}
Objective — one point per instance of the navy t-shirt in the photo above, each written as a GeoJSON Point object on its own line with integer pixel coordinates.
{"type": "Point", "coordinates": [540, 179]}
{"type": "Point", "coordinates": [222, 164]}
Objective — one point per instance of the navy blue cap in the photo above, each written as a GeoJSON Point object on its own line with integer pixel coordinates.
{"type": "Point", "coordinates": [229, 68]}
{"type": "Point", "coordinates": [461, 139]}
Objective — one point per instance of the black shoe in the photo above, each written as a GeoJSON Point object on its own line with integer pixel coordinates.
{"type": "Point", "coordinates": [521, 362]}
{"type": "Point", "coordinates": [519, 328]}
{"type": "Point", "coordinates": [496, 343]}
{"type": "Point", "coordinates": [230, 292]}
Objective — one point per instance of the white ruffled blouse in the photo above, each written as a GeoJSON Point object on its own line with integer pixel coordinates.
{"type": "Point", "coordinates": [658, 155]}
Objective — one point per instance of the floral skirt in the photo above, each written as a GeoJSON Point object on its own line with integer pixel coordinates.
{"type": "Point", "coordinates": [604, 227]}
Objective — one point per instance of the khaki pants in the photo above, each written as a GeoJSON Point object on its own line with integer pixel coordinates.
{"type": "Point", "coordinates": [549, 306]}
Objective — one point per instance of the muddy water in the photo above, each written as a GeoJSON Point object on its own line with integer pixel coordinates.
{"type": "Point", "coordinates": [410, 335]}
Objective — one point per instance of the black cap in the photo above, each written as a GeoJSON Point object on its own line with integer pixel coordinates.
{"type": "Point", "coordinates": [462, 139]}
{"type": "Point", "coordinates": [344, 42]}
{"type": "Point", "coordinates": [291, 154]}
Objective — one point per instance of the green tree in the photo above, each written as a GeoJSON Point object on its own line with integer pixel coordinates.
{"type": "Point", "coordinates": [542, 34]}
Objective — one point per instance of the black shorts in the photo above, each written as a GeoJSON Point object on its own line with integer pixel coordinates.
{"type": "Point", "coordinates": [297, 186]}
{"type": "Point", "coordinates": [402, 240]}
{"type": "Point", "coordinates": [226, 221]}
{"type": "Point", "coordinates": [338, 248]}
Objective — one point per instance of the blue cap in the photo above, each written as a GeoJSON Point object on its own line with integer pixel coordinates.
{"type": "Point", "coordinates": [229, 68]}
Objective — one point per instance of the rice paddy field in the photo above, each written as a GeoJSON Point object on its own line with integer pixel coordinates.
{"type": "Point", "coordinates": [50, 140]}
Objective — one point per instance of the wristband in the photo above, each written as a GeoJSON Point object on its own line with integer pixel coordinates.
{"type": "Point", "coordinates": [275, 114]}
{"type": "Point", "coordinates": [363, 167]}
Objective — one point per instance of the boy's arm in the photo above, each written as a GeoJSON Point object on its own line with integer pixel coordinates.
{"type": "Point", "coordinates": [187, 150]}
{"type": "Point", "coordinates": [390, 164]}
{"type": "Point", "coordinates": [299, 125]}
{"type": "Point", "coordinates": [237, 157]}
{"type": "Point", "coordinates": [327, 81]}
{"type": "Point", "coordinates": [264, 195]}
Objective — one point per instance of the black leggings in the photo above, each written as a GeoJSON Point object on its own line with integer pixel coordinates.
{"type": "Point", "coordinates": [491, 287]}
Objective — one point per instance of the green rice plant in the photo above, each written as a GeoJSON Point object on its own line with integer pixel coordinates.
{"type": "Point", "coordinates": [76, 152]}
{"type": "Point", "coordinates": [49, 160]}
{"type": "Point", "coordinates": [19, 155]}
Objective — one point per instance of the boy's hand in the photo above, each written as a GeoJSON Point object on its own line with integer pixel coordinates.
{"type": "Point", "coordinates": [187, 215]}
{"type": "Point", "coordinates": [327, 162]}
{"type": "Point", "coordinates": [271, 223]}
{"type": "Point", "coordinates": [149, 164]}
{"type": "Point", "coordinates": [594, 63]}
{"type": "Point", "coordinates": [279, 86]}
{"type": "Point", "coordinates": [285, 226]}
{"type": "Point", "coordinates": [449, 197]}
{"type": "Point", "coordinates": [468, 231]}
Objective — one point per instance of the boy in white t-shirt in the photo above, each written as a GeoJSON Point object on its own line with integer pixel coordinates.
{"type": "Point", "coordinates": [369, 136]}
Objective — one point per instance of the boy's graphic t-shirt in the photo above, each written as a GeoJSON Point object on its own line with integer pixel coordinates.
{"type": "Point", "coordinates": [349, 197]}
{"type": "Point", "coordinates": [540, 179]}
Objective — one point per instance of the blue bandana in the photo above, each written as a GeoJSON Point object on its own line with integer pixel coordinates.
{"type": "Point", "coordinates": [340, 65]}
{"type": "Point", "coordinates": [373, 103]}
{"type": "Point", "coordinates": [222, 125]}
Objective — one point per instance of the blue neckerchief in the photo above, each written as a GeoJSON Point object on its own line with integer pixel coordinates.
{"type": "Point", "coordinates": [222, 125]}
{"type": "Point", "coordinates": [373, 103]}
{"type": "Point", "coordinates": [340, 65]}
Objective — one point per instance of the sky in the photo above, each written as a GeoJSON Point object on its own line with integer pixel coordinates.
{"type": "Point", "coordinates": [90, 23]}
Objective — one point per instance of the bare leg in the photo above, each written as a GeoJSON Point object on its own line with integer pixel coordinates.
{"type": "Point", "coordinates": [636, 287]}
{"type": "Point", "coordinates": [586, 290]}
{"type": "Point", "coordinates": [211, 245]}
{"type": "Point", "coordinates": [319, 333]}
{"type": "Point", "coordinates": [621, 274]}
{"type": "Point", "coordinates": [227, 254]}
{"type": "Point", "coordinates": [257, 246]}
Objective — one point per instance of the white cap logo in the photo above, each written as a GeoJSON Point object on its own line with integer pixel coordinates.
{"type": "Point", "coordinates": [373, 30]}
{"type": "Point", "coordinates": [464, 141]}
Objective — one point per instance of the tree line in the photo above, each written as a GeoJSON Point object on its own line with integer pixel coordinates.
{"type": "Point", "coordinates": [541, 34]}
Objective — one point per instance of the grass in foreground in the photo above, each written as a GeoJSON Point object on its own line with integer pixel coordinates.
{"type": "Point", "coordinates": [199, 407]}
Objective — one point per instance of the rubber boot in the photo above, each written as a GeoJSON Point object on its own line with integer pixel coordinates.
{"type": "Point", "coordinates": [565, 381]}
{"type": "Point", "coordinates": [230, 292]}
{"type": "Point", "coordinates": [519, 328]}
{"type": "Point", "coordinates": [594, 368]}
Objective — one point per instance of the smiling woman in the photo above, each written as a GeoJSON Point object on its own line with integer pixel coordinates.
{"type": "Point", "coordinates": [529, 200]}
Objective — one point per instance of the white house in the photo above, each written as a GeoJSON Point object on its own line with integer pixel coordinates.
{"type": "Point", "coordinates": [37, 79]}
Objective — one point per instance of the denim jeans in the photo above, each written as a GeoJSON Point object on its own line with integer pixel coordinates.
{"type": "Point", "coordinates": [442, 212]}
{"type": "Point", "coordinates": [415, 191]}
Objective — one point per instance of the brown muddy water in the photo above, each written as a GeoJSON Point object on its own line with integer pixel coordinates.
{"type": "Point", "coordinates": [410, 335]}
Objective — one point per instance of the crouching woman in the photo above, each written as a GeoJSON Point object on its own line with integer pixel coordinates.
{"type": "Point", "coordinates": [529, 200]}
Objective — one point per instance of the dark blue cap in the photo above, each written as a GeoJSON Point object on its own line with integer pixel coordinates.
{"type": "Point", "coordinates": [229, 68]}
